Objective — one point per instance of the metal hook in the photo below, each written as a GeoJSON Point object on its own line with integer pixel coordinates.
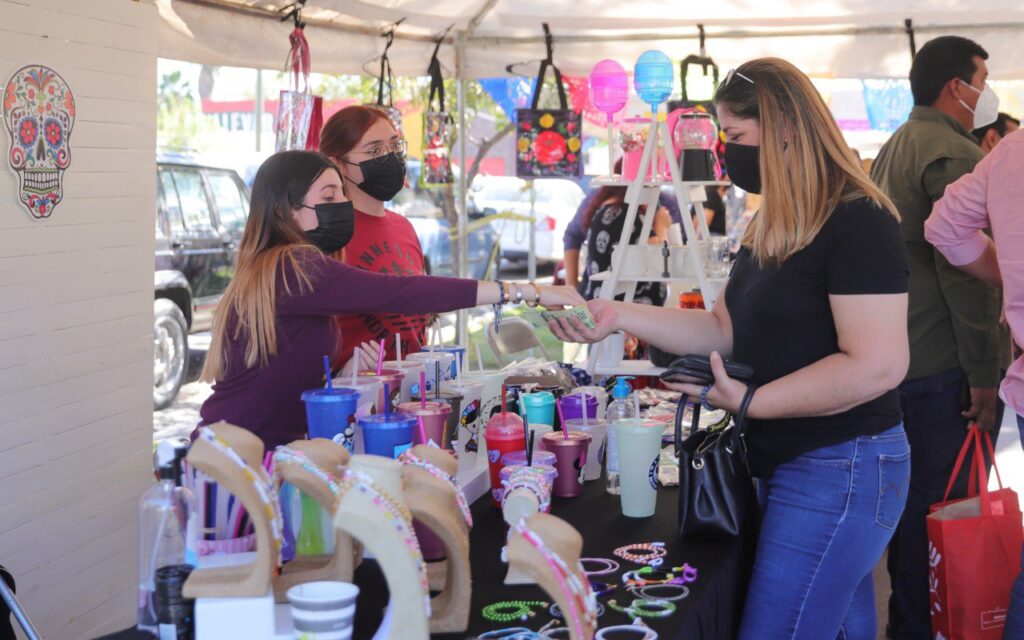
{"type": "Point", "coordinates": [294, 12]}
{"type": "Point", "coordinates": [511, 68]}
{"type": "Point", "coordinates": [703, 53]}
{"type": "Point", "coordinates": [908, 27]}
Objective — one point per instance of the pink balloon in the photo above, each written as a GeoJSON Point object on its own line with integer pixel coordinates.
{"type": "Point", "coordinates": [609, 87]}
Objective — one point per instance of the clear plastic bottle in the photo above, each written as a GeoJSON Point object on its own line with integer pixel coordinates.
{"type": "Point", "coordinates": [168, 529]}
{"type": "Point", "coordinates": [621, 407]}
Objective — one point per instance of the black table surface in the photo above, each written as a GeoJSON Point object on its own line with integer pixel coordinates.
{"type": "Point", "coordinates": [597, 515]}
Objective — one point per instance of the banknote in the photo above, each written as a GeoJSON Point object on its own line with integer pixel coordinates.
{"type": "Point", "coordinates": [580, 313]}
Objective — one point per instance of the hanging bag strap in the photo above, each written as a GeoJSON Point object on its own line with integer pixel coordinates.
{"type": "Point", "coordinates": [385, 75]}
{"type": "Point", "coordinates": [298, 61]}
{"type": "Point", "coordinates": [544, 64]}
{"type": "Point", "coordinates": [740, 418]}
{"type": "Point", "coordinates": [436, 80]}
{"type": "Point", "coordinates": [702, 60]}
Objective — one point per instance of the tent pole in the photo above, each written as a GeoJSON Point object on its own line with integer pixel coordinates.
{"type": "Point", "coordinates": [461, 327]}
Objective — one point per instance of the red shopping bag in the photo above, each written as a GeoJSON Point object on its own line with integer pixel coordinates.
{"type": "Point", "coordinates": [299, 114]}
{"type": "Point", "coordinates": [974, 546]}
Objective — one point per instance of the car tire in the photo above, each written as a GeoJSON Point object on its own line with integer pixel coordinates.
{"type": "Point", "coordinates": [170, 352]}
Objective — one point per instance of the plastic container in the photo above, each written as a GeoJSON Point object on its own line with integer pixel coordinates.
{"type": "Point", "coordinates": [598, 430]}
{"type": "Point", "coordinates": [330, 414]}
{"type": "Point", "coordinates": [653, 77]}
{"type": "Point", "coordinates": [454, 400]}
{"type": "Point", "coordinates": [435, 420]}
{"type": "Point", "coordinates": [622, 407]}
{"type": "Point", "coordinates": [572, 406]}
{"type": "Point", "coordinates": [570, 460]}
{"type": "Point", "coordinates": [393, 379]}
{"type": "Point", "coordinates": [504, 434]}
{"type": "Point", "coordinates": [411, 370]}
{"type": "Point", "coordinates": [540, 458]}
{"type": "Point", "coordinates": [387, 435]}
{"type": "Point", "coordinates": [539, 407]}
{"type": "Point", "coordinates": [639, 448]}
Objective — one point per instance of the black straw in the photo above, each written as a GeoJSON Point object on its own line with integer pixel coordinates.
{"type": "Point", "coordinates": [529, 450]}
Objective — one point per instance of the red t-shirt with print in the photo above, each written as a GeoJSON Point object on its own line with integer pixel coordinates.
{"type": "Point", "coordinates": [382, 244]}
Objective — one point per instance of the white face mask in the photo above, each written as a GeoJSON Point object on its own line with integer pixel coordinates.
{"type": "Point", "coordinates": [987, 108]}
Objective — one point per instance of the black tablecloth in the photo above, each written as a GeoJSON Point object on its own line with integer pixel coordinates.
{"type": "Point", "coordinates": [598, 516]}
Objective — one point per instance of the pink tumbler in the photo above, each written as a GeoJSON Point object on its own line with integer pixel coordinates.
{"type": "Point", "coordinates": [570, 460]}
{"type": "Point", "coordinates": [435, 419]}
{"type": "Point", "coordinates": [504, 434]}
{"type": "Point", "coordinates": [391, 377]}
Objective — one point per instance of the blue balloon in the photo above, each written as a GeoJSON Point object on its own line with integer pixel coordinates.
{"type": "Point", "coordinates": [653, 77]}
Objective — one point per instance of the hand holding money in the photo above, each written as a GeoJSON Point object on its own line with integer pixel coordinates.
{"type": "Point", "coordinates": [582, 314]}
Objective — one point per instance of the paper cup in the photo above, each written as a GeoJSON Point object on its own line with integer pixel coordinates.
{"type": "Point", "coordinates": [639, 446]}
{"type": "Point", "coordinates": [323, 610]}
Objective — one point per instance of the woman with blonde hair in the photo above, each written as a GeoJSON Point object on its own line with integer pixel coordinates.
{"type": "Point", "coordinates": [817, 305]}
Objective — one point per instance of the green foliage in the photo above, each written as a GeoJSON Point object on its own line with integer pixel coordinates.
{"type": "Point", "coordinates": [180, 123]}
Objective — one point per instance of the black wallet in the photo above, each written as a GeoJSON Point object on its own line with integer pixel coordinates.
{"type": "Point", "coordinates": [699, 367]}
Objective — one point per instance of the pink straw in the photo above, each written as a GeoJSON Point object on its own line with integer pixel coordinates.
{"type": "Point", "coordinates": [423, 390]}
{"type": "Point", "coordinates": [423, 432]}
{"type": "Point", "coordinates": [561, 418]}
{"type": "Point", "coordinates": [380, 358]}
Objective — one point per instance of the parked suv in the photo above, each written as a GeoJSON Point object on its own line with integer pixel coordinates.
{"type": "Point", "coordinates": [201, 213]}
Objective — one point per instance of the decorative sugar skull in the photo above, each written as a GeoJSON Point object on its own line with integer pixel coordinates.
{"type": "Point", "coordinates": [39, 112]}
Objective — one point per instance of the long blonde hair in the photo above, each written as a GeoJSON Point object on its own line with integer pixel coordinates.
{"type": "Point", "coordinates": [807, 169]}
{"type": "Point", "coordinates": [272, 241]}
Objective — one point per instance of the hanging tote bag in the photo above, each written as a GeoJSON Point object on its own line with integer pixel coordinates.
{"type": "Point", "coordinates": [385, 79]}
{"type": "Point", "coordinates": [548, 141]}
{"type": "Point", "coordinates": [299, 113]}
{"type": "Point", "coordinates": [437, 138]}
{"type": "Point", "coordinates": [974, 547]}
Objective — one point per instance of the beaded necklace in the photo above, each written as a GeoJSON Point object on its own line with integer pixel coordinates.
{"type": "Point", "coordinates": [264, 488]}
{"type": "Point", "coordinates": [582, 601]}
{"type": "Point", "coordinates": [531, 479]}
{"type": "Point", "coordinates": [400, 517]}
{"type": "Point", "coordinates": [286, 455]}
{"type": "Point", "coordinates": [460, 497]}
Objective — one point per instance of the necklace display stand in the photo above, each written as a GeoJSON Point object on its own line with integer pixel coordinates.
{"type": "Point", "coordinates": [551, 558]}
{"type": "Point", "coordinates": [433, 503]}
{"type": "Point", "coordinates": [373, 511]}
{"type": "Point", "coordinates": [517, 504]}
{"type": "Point", "coordinates": [236, 600]}
{"type": "Point", "coordinates": [312, 466]}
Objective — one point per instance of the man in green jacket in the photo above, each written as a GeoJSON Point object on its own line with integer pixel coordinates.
{"type": "Point", "coordinates": [955, 340]}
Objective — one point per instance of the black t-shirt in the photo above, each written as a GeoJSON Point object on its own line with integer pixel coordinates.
{"type": "Point", "coordinates": [603, 234]}
{"type": "Point", "coordinates": [782, 321]}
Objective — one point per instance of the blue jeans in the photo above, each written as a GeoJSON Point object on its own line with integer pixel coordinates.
{"type": "Point", "coordinates": [1015, 617]}
{"type": "Point", "coordinates": [936, 431]}
{"type": "Point", "coordinates": [828, 516]}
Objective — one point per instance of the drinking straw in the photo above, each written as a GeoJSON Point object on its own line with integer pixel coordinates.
{"type": "Point", "coordinates": [355, 370]}
{"type": "Point", "coordinates": [529, 449]}
{"type": "Point", "coordinates": [423, 432]}
{"type": "Point", "coordinates": [387, 401]}
{"type": "Point", "coordinates": [458, 371]}
{"type": "Point", "coordinates": [526, 432]}
{"type": "Point", "coordinates": [398, 347]}
{"type": "Point", "coordinates": [327, 372]}
{"type": "Point", "coordinates": [636, 403]}
{"type": "Point", "coordinates": [423, 389]}
{"type": "Point", "coordinates": [584, 408]}
{"type": "Point", "coordinates": [504, 391]}
{"type": "Point", "coordinates": [437, 377]}
{"type": "Point", "coordinates": [380, 358]}
{"type": "Point", "coordinates": [565, 428]}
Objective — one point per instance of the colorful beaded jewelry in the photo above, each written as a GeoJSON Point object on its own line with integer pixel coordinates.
{"type": "Point", "coordinates": [556, 612]}
{"type": "Point", "coordinates": [531, 479]}
{"type": "Point", "coordinates": [264, 487]}
{"type": "Point", "coordinates": [577, 592]}
{"type": "Point", "coordinates": [284, 456]}
{"type": "Point", "coordinates": [679, 592]}
{"type": "Point", "coordinates": [655, 552]}
{"type": "Point", "coordinates": [460, 497]}
{"type": "Point", "coordinates": [644, 632]}
{"type": "Point", "coordinates": [400, 517]}
{"type": "Point", "coordinates": [511, 633]}
{"type": "Point", "coordinates": [607, 566]}
{"type": "Point", "coordinates": [640, 608]}
{"type": "Point", "coordinates": [510, 610]}
{"type": "Point", "coordinates": [603, 588]}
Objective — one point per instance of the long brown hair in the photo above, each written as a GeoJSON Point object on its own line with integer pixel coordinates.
{"type": "Point", "coordinates": [343, 131]}
{"type": "Point", "coordinates": [807, 169]}
{"type": "Point", "coordinates": [272, 238]}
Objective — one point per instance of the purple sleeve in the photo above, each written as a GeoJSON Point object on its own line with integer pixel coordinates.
{"type": "Point", "coordinates": [340, 289]}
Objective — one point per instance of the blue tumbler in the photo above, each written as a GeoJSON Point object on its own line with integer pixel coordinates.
{"type": "Point", "coordinates": [330, 414]}
{"type": "Point", "coordinates": [387, 435]}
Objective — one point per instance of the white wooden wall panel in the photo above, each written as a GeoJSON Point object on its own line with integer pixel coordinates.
{"type": "Point", "coordinates": [76, 322]}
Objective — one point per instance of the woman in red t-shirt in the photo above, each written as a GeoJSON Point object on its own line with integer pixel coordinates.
{"type": "Point", "coordinates": [371, 157]}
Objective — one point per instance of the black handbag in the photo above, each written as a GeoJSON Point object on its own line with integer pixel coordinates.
{"type": "Point", "coordinates": [716, 492]}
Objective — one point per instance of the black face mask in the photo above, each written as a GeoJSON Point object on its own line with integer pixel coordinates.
{"type": "Point", "coordinates": [336, 224]}
{"type": "Point", "coordinates": [743, 162]}
{"type": "Point", "coordinates": [382, 180]}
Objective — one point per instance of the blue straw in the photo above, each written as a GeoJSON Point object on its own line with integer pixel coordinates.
{"type": "Point", "coordinates": [327, 372]}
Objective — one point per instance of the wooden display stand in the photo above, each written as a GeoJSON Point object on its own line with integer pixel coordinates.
{"type": "Point", "coordinates": [564, 541]}
{"type": "Point", "coordinates": [360, 516]}
{"type": "Point", "coordinates": [330, 458]}
{"type": "Point", "coordinates": [252, 579]}
{"type": "Point", "coordinates": [432, 502]}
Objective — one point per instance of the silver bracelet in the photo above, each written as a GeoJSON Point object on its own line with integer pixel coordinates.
{"type": "Point", "coordinates": [681, 592]}
{"type": "Point", "coordinates": [519, 293]}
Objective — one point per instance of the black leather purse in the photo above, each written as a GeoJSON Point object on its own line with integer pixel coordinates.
{"type": "Point", "coordinates": [716, 492]}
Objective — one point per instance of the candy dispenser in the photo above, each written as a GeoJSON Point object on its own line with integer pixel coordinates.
{"type": "Point", "coordinates": [694, 138]}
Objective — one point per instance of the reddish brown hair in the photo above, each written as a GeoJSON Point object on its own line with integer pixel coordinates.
{"type": "Point", "coordinates": [343, 130]}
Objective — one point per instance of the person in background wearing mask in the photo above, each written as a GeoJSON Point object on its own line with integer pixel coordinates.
{"type": "Point", "coordinates": [275, 324]}
{"type": "Point", "coordinates": [989, 136]}
{"type": "Point", "coordinates": [816, 303]}
{"type": "Point", "coordinates": [957, 350]}
{"type": "Point", "coordinates": [989, 198]}
{"type": "Point", "coordinates": [371, 157]}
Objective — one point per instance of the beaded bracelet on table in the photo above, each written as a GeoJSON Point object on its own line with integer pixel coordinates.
{"type": "Point", "coordinates": [400, 517]}
{"type": "Point", "coordinates": [264, 488]}
{"type": "Point", "coordinates": [642, 608]}
{"type": "Point", "coordinates": [576, 591]}
{"type": "Point", "coordinates": [531, 479]}
{"type": "Point", "coordinates": [651, 576]}
{"type": "Point", "coordinates": [460, 497]}
{"type": "Point", "coordinates": [511, 610]}
{"type": "Point", "coordinates": [641, 628]}
{"type": "Point", "coordinates": [556, 611]}
{"type": "Point", "coordinates": [647, 592]}
{"type": "Point", "coordinates": [655, 552]}
{"type": "Point", "coordinates": [608, 566]}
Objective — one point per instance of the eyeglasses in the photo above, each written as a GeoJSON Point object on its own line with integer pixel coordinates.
{"type": "Point", "coordinates": [733, 73]}
{"type": "Point", "coordinates": [380, 152]}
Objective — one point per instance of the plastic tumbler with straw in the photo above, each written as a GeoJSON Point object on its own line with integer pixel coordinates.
{"type": "Point", "coordinates": [503, 434]}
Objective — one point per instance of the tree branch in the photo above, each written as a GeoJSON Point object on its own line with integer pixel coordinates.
{"type": "Point", "coordinates": [484, 147]}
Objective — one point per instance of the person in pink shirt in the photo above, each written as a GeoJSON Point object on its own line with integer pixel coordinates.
{"type": "Point", "coordinates": [990, 198]}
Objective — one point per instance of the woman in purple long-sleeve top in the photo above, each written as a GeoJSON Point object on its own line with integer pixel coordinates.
{"type": "Point", "coordinates": [274, 322]}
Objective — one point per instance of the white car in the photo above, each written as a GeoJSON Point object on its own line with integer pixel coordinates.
{"type": "Point", "coordinates": [555, 201]}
